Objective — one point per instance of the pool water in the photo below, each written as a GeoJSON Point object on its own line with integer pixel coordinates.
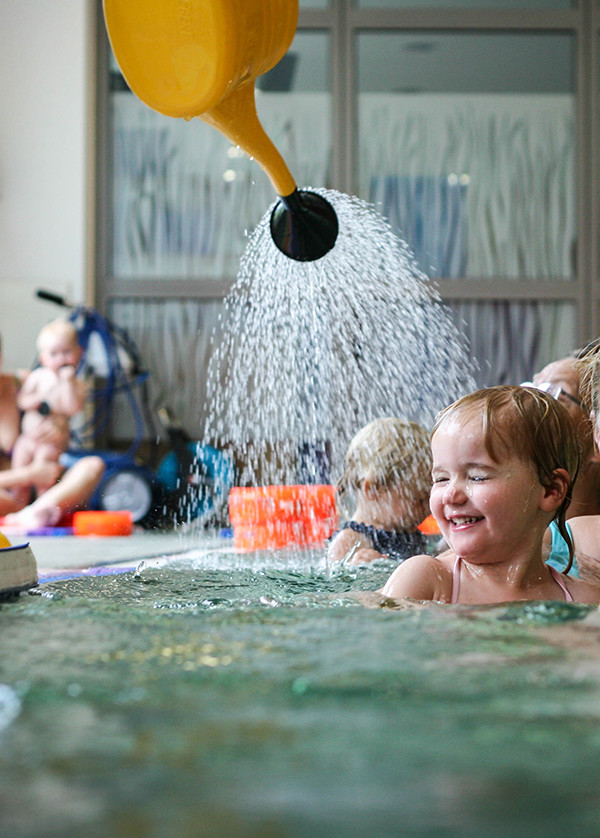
{"type": "Point", "coordinates": [259, 697]}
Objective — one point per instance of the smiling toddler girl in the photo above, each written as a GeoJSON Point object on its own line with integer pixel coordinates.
{"type": "Point", "coordinates": [504, 462]}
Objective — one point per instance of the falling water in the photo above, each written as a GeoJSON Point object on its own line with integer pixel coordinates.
{"type": "Point", "coordinates": [309, 352]}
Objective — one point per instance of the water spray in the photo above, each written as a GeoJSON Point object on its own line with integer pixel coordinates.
{"type": "Point", "coordinates": [201, 58]}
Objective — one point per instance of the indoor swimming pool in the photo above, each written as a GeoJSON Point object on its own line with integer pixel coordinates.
{"type": "Point", "coordinates": [219, 694]}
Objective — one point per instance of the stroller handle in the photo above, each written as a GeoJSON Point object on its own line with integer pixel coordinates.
{"type": "Point", "coordinates": [57, 299]}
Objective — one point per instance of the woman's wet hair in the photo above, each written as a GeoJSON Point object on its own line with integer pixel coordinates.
{"type": "Point", "coordinates": [389, 452]}
{"type": "Point", "coordinates": [533, 426]}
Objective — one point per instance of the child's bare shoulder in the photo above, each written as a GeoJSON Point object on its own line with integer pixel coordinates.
{"type": "Point", "coordinates": [420, 577]}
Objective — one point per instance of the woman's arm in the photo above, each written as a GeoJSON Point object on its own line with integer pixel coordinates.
{"type": "Point", "coordinates": [10, 419]}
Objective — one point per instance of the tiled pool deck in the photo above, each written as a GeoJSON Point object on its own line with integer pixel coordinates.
{"type": "Point", "coordinates": [55, 553]}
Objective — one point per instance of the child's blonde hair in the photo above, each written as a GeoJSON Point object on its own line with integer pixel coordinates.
{"type": "Point", "coordinates": [533, 426]}
{"type": "Point", "coordinates": [389, 452]}
{"type": "Point", "coordinates": [57, 328]}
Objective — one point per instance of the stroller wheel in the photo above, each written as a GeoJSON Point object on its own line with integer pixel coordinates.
{"type": "Point", "coordinates": [126, 489]}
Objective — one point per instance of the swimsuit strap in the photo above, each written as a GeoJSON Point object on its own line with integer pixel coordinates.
{"type": "Point", "coordinates": [455, 581]}
{"type": "Point", "coordinates": [559, 581]}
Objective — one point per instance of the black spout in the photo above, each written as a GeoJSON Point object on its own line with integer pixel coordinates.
{"type": "Point", "coordinates": [304, 225]}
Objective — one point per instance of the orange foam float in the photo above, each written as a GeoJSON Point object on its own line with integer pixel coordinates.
{"type": "Point", "coordinates": [97, 522]}
{"type": "Point", "coordinates": [429, 526]}
{"type": "Point", "coordinates": [272, 517]}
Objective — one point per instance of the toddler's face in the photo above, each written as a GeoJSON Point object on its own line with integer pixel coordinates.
{"type": "Point", "coordinates": [485, 509]}
{"type": "Point", "coordinates": [57, 352]}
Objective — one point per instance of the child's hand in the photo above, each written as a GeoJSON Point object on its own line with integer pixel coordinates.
{"type": "Point", "coordinates": [365, 555]}
{"type": "Point", "coordinates": [66, 373]}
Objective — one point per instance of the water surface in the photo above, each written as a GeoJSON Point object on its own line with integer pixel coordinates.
{"type": "Point", "coordinates": [226, 695]}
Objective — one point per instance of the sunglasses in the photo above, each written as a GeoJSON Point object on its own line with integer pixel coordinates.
{"type": "Point", "coordinates": [555, 390]}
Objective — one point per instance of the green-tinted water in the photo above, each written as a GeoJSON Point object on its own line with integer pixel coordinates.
{"type": "Point", "coordinates": [223, 697]}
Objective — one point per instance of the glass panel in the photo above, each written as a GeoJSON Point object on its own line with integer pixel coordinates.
{"type": "Point", "coordinates": [511, 341]}
{"type": "Point", "coordinates": [472, 160]}
{"type": "Point", "coordinates": [183, 198]}
{"type": "Point", "coordinates": [174, 339]}
{"type": "Point", "coordinates": [314, 4]}
{"type": "Point", "coordinates": [466, 4]}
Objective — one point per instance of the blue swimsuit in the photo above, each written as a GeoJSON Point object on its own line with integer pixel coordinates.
{"type": "Point", "coordinates": [396, 544]}
{"type": "Point", "coordinates": [559, 552]}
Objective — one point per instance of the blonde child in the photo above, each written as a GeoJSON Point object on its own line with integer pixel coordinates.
{"type": "Point", "coordinates": [387, 472]}
{"type": "Point", "coordinates": [504, 463]}
{"type": "Point", "coordinates": [48, 397]}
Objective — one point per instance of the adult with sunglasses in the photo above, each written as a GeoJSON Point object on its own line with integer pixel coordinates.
{"type": "Point", "coordinates": [585, 527]}
{"type": "Point", "coordinates": [563, 380]}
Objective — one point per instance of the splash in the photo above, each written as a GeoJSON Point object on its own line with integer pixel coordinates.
{"type": "Point", "coordinates": [309, 352]}
{"type": "Point", "coordinates": [10, 705]}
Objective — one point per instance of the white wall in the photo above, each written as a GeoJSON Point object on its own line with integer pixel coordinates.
{"type": "Point", "coordinates": [45, 88]}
